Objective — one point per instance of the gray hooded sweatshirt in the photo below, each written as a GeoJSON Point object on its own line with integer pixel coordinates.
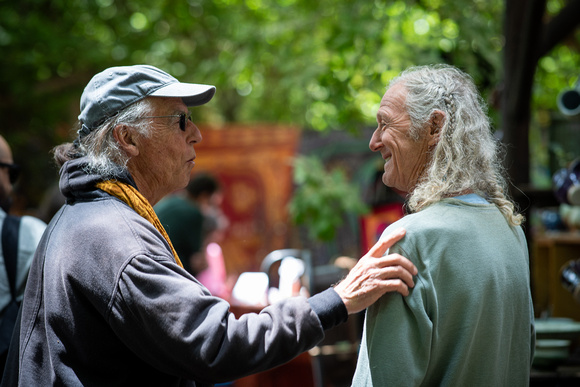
{"type": "Point", "coordinates": [107, 305]}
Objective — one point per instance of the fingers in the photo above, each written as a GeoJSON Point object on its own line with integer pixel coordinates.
{"type": "Point", "coordinates": [396, 267]}
{"type": "Point", "coordinates": [396, 285]}
{"type": "Point", "coordinates": [376, 274]}
{"type": "Point", "coordinates": [397, 260]}
{"type": "Point", "coordinates": [370, 279]}
{"type": "Point", "coordinates": [383, 245]}
{"type": "Point", "coordinates": [394, 237]}
{"type": "Point", "coordinates": [359, 296]}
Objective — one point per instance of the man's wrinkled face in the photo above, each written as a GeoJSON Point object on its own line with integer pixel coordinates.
{"type": "Point", "coordinates": [166, 158]}
{"type": "Point", "coordinates": [405, 158]}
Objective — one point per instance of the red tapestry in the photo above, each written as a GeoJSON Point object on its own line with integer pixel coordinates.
{"type": "Point", "coordinates": [373, 224]}
{"type": "Point", "coordinates": [254, 165]}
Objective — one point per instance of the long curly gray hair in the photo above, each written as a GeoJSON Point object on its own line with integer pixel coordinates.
{"type": "Point", "coordinates": [467, 156]}
{"type": "Point", "coordinates": [104, 157]}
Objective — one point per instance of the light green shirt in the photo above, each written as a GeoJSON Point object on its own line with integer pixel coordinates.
{"type": "Point", "coordinates": [469, 319]}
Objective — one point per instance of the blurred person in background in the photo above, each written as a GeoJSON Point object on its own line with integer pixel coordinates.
{"type": "Point", "coordinates": [20, 236]}
{"type": "Point", "coordinates": [469, 319]}
{"type": "Point", "coordinates": [215, 277]}
{"type": "Point", "coordinates": [108, 301]}
{"type": "Point", "coordinates": [182, 216]}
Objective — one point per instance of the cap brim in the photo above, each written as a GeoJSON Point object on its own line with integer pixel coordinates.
{"type": "Point", "coordinates": [193, 94]}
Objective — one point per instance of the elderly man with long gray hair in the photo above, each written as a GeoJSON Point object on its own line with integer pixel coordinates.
{"type": "Point", "coordinates": [108, 302]}
{"type": "Point", "coordinates": [469, 319]}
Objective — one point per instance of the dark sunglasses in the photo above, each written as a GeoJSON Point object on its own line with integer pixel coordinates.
{"type": "Point", "coordinates": [13, 171]}
{"type": "Point", "coordinates": [182, 119]}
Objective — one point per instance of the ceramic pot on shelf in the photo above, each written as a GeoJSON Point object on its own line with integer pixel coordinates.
{"type": "Point", "coordinates": [567, 184]}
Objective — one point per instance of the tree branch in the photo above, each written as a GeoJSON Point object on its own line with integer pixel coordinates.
{"type": "Point", "coordinates": [557, 29]}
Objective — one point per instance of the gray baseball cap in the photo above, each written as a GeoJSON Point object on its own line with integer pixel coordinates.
{"type": "Point", "coordinates": [115, 88]}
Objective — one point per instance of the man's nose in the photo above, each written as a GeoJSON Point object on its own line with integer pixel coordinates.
{"type": "Point", "coordinates": [375, 143]}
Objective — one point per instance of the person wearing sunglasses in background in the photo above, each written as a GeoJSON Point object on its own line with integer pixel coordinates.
{"type": "Point", "coordinates": [20, 236]}
{"type": "Point", "coordinates": [9, 173]}
{"type": "Point", "coordinates": [108, 302]}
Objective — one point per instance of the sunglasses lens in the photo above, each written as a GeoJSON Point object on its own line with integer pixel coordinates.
{"type": "Point", "coordinates": [14, 173]}
{"type": "Point", "coordinates": [183, 118]}
{"type": "Point", "coordinates": [182, 122]}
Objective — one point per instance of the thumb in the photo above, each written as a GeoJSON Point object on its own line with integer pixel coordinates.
{"type": "Point", "coordinates": [381, 247]}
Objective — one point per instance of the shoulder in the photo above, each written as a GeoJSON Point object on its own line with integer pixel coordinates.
{"type": "Point", "coordinates": [434, 216]}
{"type": "Point", "coordinates": [94, 241]}
{"type": "Point", "coordinates": [448, 214]}
{"type": "Point", "coordinates": [440, 223]}
{"type": "Point", "coordinates": [110, 226]}
{"type": "Point", "coordinates": [32, 225]}
{"type": "Point", "coordinates": [30, 229]}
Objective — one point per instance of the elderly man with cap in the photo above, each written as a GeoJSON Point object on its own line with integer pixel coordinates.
{"type": "Point", "coordinates": [108, 301]}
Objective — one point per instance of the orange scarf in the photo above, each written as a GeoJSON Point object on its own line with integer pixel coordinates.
{"type": "Point", "coordinates": [136, 201]}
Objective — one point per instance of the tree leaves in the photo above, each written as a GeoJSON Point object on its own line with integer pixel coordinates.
{"type": "Point", "coordinates": [320, 65]}
{"type": "Point", "coordinates": [322, 198]}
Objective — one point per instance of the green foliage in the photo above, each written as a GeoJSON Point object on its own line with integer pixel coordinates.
{"type": "Point", "coordinates": [556, 72]}
{"type": "Point", "coordinates": [322, 198]}
{"type": "Point", "coordinates": [318, 64]}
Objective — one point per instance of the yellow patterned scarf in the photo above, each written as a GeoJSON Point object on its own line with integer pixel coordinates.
{"type": "Point", "coordinates": [136, 201]}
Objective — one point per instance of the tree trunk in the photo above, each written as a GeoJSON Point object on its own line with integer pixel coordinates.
{"type": "Point", "coordinates": [523, 27]}
{"type": "Point", "coordinates": [528, 37]}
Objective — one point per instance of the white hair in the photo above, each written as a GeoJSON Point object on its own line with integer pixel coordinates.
{"type": "Point", "coordinates": [103, 154]}
{"type": "Point", "coordinates": [467, 156]}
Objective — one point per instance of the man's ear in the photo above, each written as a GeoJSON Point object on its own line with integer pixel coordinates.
{"type": "Point", "coordinates": [435, 124]}
{"type": "Point", "coordinates": [126, 139]}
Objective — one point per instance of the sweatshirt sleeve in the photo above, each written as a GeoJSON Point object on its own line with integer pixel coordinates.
{"type": "Point", "coordinates": [173, 322]}
{"type": "Point", "coordinates": [397, 337]}
{"type": "Point", "coordinates": [396, 344]}
{"type": "Point", "coordinates": [329, 307]}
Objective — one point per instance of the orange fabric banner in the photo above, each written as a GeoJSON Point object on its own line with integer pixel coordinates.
{"type": "Point", "coordinates": [254, 165]}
